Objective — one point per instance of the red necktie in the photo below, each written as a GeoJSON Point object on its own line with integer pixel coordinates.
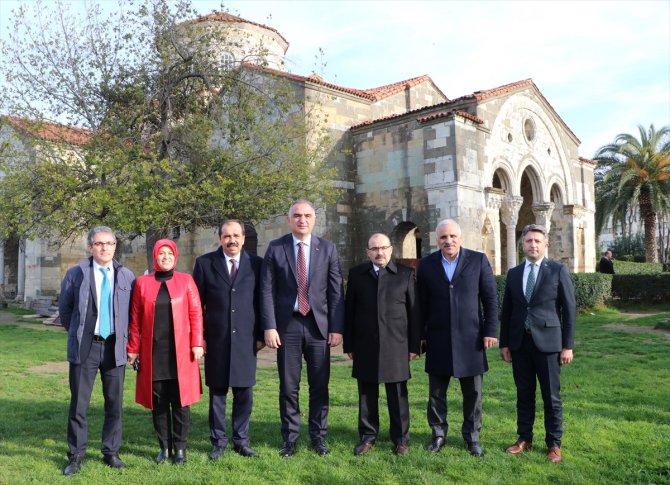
{"type": "Point", "coordinates": [233, 269]}
{"type": "Point", "coordinates": [303, 298]}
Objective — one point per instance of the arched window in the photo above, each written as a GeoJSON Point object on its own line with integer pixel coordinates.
{"type": "Point", "coordinates": [227, 60]}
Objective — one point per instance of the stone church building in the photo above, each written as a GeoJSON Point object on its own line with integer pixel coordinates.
{"type": "Point", "coordinates": [407, 156]}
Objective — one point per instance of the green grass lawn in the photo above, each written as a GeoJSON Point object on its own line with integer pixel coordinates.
{"type": "Point", "coordinates": [616, 398]}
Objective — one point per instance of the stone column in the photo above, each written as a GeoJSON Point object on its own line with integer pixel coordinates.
{"type": "Point", "coordinates": [509, 214]}
{"type": "Point", "coordinates": [493, 203]}
{"type": "Point", "coordinates": [543, 214]}
{"type": "Point", "coordinates": [21, 272]}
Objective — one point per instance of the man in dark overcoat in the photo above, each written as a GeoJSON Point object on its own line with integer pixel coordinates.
{"type": "Point", "coordinates": [382, 334]}
{"type": "Point", "coordinates": [459, 304]}
{"type": "Point", "coordinates": [228, 282]}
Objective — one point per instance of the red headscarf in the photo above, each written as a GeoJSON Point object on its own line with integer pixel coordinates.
{"type": "Point", "coordinates": [159, 244]}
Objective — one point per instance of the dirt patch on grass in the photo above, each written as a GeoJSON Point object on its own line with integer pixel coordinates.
{"type": "Point", "coordinates": [50, 368]}
{"type": "Point", "coordinates": [621, 327]}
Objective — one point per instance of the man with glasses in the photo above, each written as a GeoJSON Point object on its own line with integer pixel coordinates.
{"type": "Point", "coordinates": [382, 334]}
{"type": "Point", "coordinates": [459, 302]}
{"type": "Point", "coordinates": [537, 331]}
{"type": "Point", "coordinates": [94, 309]}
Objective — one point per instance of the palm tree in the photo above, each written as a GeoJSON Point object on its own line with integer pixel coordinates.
{"type": "Point", "coordinates": [634, 174]}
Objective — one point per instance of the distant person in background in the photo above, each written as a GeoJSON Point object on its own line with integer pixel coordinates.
{"type": "Point", "coordinates": [166, 339]}
{"type": "Point", "coordinates": [606, 264]}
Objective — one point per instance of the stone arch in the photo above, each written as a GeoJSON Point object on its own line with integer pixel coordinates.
{"type": "Point", "coordinates": [529, 168]}
{"type": "Point", "coordinates": [250, 238]}
{"type": "Point", "coordinates": [502, 177]}
{"type": "Point", "coordinates": [406, 240]}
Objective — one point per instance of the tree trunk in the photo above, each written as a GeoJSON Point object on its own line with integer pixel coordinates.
{"type": "Point", "coordinates": [649, 217]}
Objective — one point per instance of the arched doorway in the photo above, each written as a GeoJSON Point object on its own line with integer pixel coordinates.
{"type": "Point", "coordinates": [529, 191]}
{"type": "Point", "coordinates": [406, 240]}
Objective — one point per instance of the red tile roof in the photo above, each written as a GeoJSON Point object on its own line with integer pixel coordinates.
{"type": "Point", "coordinates": [372, 94]}
{"type": "Point", "coordinates": [48, 131]}
{"type": "Point", "coordinates": [447, 114]}
{"type": "Point", "coordinates": [233, 19]}
{"type": "Point", "coordinates": [587, 160]}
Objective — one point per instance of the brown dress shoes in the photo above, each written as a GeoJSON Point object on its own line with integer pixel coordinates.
{"type": "Point", "coordinates": [519, 447]}
{"type": "Point", "coordinates": [554, 454]}
{"type": "Point", "coordinates": [401, 449]}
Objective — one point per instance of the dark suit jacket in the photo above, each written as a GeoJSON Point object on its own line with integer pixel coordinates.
{"type": "Point", "coordinates": [279, 285]}
{"type": "Point", "coordinates": [457, 314]}
{"type": "Point", "coordinates": [606, 265]}
{"type": "Point", "coordinates": [382, 322]}
{"type": "Point", "coordinates": [552, 309]}
{"type": "Point", "coordinates": [231, 318]}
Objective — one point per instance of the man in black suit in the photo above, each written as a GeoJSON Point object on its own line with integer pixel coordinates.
{"type": "Point", "coordinates": [456, 285]}
{"type": "Point", "coordinates": [382, 334]}
{"type": "Point", "coordinates": [94, 308]}
{"type": "Point", "coordinates": [228, 281]}
{"type": "Point", "coordinates": [537, 332]}
{"type": "Point", "coordinates": [606, 264]}
{"type": "Point", "coordinates": [302, 313]}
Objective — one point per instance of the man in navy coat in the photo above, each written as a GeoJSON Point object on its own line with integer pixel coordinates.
{"type": "Point", "coordinates": [228, 283]}
{"type": "Point", "coordinates": [537, 332]}
{"type": "Point", "coordinates": [454, 283]}
{"type": "Point", "coordinates": [302, 313]}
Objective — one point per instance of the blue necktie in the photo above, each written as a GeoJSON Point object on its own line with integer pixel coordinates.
{"type": "Point", "coordinates": [105, 305]}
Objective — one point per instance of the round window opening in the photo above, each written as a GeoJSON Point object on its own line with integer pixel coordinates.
{"type": "Point", "coordinates": [529, 129]}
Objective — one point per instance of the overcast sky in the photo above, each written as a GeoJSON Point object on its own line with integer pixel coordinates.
{"type": "Point", "coordinates": [603, 65]}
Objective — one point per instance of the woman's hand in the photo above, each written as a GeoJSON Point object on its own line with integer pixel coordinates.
{"type": "Point", "coordinates": [198, 352]}
{"type": "Point", "coordinates": [132, 358]}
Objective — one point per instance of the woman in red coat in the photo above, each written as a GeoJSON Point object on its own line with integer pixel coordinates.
{"type": "Point", "coordinates": [166, 337]}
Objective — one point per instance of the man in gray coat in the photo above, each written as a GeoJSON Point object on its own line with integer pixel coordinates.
{"type": "Point", "coordinates": [94, 308]}
{"type": "Point", "coordinates": [382, 334]}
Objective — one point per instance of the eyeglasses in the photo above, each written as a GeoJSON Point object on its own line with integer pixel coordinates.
{"type": "Point", "coordinates": [379, 248]}
{"type": "Point", "coordinates": [100, 244]}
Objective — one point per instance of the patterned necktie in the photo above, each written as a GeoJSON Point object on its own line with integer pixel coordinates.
{"type": "Point", "coordinates": [105, 305]}
{"type": "Point", "coordinates": [233, 269]}
{"type": "Point", "coordinates": [530, 286]}
{"type": "Point", "coordinates": [303, 297]}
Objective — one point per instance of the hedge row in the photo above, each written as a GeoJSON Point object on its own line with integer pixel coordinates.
{"type": "Point", "coordinates": [628, 267]}
{"type": "Point", "coordinates": [591, 289]}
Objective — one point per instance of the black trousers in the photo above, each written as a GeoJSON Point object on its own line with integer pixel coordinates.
{"type": "Point", "coordinates": [302, 337]}
{"type": "Point", "coordinates": [243, 399]}
{"type": "Point", "coordinates": [529, 366]}
{"type": "Point", "coordinates": [82, 378]}
{"type": "Point", "coordinates": [171, 419]}
{"type": "Point", "coordinates": [368, 411]}
{"type": "Point", "coordinates": [471, 388]}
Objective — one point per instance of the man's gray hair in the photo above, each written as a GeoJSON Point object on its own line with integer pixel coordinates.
{"type": "Point", "coordinates": [98, 229]}
{"type": "Point", "coordinates": [300, 201]}
{"type": "Point", "coordinates": [444, 222]}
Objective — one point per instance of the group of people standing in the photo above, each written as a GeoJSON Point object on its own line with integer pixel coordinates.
{"type": "Point", "coordinates": [293, 300]}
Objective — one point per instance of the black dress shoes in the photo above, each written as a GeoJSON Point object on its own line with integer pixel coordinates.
{"type": "Point", "coordinates": [363, 447]}
{"type": "Point", "coordinates": [319, 445]}
{"type": "Point", "coordinates": [73, 465]}
{"type": "Point", "coordinates": [287, 449]}
{"type": "Point", "coordinates": [475, 449]}
{"type": "Point", "coordinates": [179, 457]}
{"type": "Point", "coordinates": [162, 456]}
{"type": "Point", "coordinates": [217, 452]}
{"type": "Point", "coordinates": [245, 451]}
{"type": "Point", "coordinates": [436, 445]}
{"type": "Point", "coordinates": [113, 461]}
